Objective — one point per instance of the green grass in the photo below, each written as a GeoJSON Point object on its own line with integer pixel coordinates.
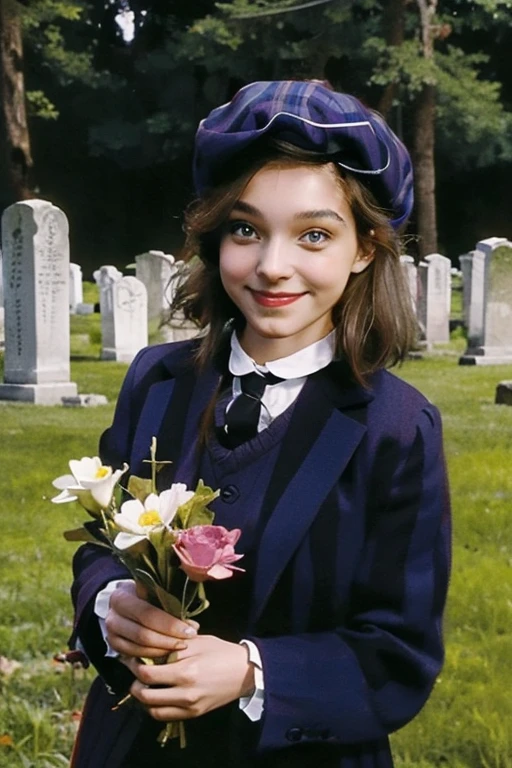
{"type": "Point", "coordinates": [466, 723]}
{"type": "Point", "coordinates": [39, 701]}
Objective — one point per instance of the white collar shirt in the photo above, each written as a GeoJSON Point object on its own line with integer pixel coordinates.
{"type": "Point", "coordinates": [294, 369]}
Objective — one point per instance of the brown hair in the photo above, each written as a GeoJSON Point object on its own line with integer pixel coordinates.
{"type": "Point", "coordinates": [374, 322]}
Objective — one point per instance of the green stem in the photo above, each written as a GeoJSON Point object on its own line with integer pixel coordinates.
{"type": "Point", "coordinates": [184, 605]}
{"type": "Point", "coordinates": [153, 464]}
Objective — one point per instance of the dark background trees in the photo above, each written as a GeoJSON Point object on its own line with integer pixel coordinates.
{"type": "Point", "coordinates": [111, 121]}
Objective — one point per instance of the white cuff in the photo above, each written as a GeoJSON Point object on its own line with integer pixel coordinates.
{"type": "Point", "coordinates": [252, 706]}
{"type": "Point", "coordinates": [101, 606]}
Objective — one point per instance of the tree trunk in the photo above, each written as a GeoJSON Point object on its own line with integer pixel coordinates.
{"type": "Point", "coordinates": [424, 170]}
{"type": "Point", "coordinates": [15, 155]}
{"type": "Point", "coordinates": [393, 31]}
{"type": "Point", "coordinates": [424, 139]}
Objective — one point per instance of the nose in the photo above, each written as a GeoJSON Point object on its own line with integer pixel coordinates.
{"type": "Point", "coordinates": [275, 261]}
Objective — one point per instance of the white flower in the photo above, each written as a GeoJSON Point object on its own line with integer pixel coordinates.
{"type": "Point", "coordinates": [92, 484]}
{"type": "Point", "coordinates": [137, 520]}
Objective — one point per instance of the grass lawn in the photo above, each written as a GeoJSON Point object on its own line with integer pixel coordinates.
{"type": "Point", "coordinates": [466, 724]}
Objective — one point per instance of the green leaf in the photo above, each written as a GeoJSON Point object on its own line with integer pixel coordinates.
{"type": "Point", "coordinates": [139, 554]}
{"type": "Point", "coordinates": [139, 488]}
{"type": "Point", "coordinates": [81, 534]}
{"type": "Point", "coordinates": [169, 602]}
{"type": "Point", "coordinates": [204, 604]}
{"type": "Point", "coordinates": [194, 511]}
{"type": "Point", "coordinates": [41, 106]}
{"type": "Point", "coordinates": [198, 598]}
{"type": "Point", "coordinates": [161, 540]}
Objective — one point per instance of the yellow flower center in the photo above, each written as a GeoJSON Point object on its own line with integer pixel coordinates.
{"type": "Point", "coordinates": [150, 517]}
{"type": "Point", "coordinates": [101, 472]}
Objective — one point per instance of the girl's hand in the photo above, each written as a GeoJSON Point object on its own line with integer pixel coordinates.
{"type": "Point", "coordinates": [208, 674]}
{"type": "Point", "coordinates": [136, 628]}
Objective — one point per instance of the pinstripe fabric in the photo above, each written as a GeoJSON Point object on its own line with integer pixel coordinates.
{"type": "Point", "coordinates": [353, 564]}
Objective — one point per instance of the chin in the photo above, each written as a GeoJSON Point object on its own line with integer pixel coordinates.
{"type": "Point", "coordinates": [274, 333]}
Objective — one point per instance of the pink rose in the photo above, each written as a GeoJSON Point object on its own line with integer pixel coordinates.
{"type": "Point", "coordinates": [208, 551]}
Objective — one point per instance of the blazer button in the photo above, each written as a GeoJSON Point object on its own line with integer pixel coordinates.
{"type": "Point", "coordinates": [294, 734]}
{"type": "Point", "coordinates": [229, 494]}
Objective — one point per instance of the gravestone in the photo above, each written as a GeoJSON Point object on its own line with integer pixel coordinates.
{"type": "Point", "coordinates": [434, 291]}
{"type": "Point", "coordinates": [2, 338]}
{"type": "Point", "coordinates": [35, 250]}
{"type": "Point", "coordinates": [176, 327]}
{"type": "Point", "coordinates": [179, 329]}
{"type": "Point", "coordinates": [104, 278]}
{"type": "Point", "coordinates": [158, 271]}
{"type": "Point", "coordinates": [124, 319]}
{"type": "Point", "coordinates": [492, 345]}
{"type": "Point", "coordinates": [503, 395]}
{"type": "Point", "coordinates": [473, 266]}
{"type": "Point", "coordinates": [411, 278]}
{"type": "Point", "coordinates": [76, 291]}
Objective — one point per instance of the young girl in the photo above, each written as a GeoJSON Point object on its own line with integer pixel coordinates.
{"type": "Point", "coordinates": [332, 467]}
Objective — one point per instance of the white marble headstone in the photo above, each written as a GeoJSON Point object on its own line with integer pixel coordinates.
{"type": "Point", "coordinates": [498, 300]}
{"type": "Point", "coordinates": [473, 278]}
{"type": "Point", "coordinates": [35, 249]}
{"type": "Point", "coordinates": [76, 291]}
{"type": "Point", "coordinates": [157, 271]}
{"type": "Point", "coordinates": [1, 281]}
{"type": "Point", "coordinates": [124, 321]}
{"type": "Point", "coordinates": [105, 277]}
{"type": "Point", "coordinates": [411, 278]}
{"type": "Point", "coordinates": [434, 290]}
{"type": "Point", "coordinates": [2, 338]}
{"type": "Point", "coordinates": [493, 344]}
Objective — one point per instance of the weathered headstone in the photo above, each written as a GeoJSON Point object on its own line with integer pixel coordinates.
{"type": "Point", "coordinates": [157, 270]}
{"type": "Point", "coordinates": [503, 395]}
{"type": "Point", "coordinates": [76, 291]}
{"type": "Point", "coordinates": [2, 337]}
{"type": "Point", "coordinates": [124, 319]}
{"type": "Point", "coordinates": [434, 289]}
{"type": "Point", "coordinates": [411, 278]}
{"type": "Point", "coordinates": [36, 298]}
{"type": "Point", "coordinates": [105, 276]}
{"type": "Point", "coordinates": [179, 329]}
{"type": "Point", "coordinates": [473, 266]}
{"type": "Point", "coordinates": [493, 344]}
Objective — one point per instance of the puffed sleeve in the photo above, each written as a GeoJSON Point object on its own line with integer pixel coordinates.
{"type": "Point", "coordinates": [373, 673]}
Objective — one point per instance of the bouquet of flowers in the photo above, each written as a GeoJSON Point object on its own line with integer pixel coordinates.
{"type": "Point", "coordinates": [154, 536]}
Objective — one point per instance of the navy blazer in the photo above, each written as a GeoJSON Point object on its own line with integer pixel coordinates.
{"type": "Point", "coordinates": [352, 567]}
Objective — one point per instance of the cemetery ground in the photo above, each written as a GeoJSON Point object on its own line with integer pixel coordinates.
{"type": "Point", "coordinates": [466, 723]}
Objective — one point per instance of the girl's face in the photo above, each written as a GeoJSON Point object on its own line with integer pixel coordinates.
{"type": "Point", "coordinates": [287, 251]}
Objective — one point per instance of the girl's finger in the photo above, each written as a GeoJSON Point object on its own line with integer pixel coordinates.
{"type": "Point", "coordinates": [128, 606]}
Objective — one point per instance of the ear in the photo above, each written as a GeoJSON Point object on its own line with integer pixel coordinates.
{"type": "Point", "coordinates": [362, 261]}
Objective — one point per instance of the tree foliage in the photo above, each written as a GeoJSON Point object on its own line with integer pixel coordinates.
{"type": "Point", "coordinates": [132, 106]}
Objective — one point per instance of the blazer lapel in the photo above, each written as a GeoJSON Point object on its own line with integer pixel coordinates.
{"type": "Point", "coordinates": [171, 413]}
{"type": "Point", "coordinates": [322, 403]}
{"type": "Point", "coordinates": [150, 423]}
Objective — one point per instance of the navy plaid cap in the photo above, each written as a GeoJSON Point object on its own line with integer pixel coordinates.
{"type": "Point", "coordinates": [310, 116]}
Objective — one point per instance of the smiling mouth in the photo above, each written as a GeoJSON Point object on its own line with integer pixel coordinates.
{"type": "Point", "coordinates": [274, 298]}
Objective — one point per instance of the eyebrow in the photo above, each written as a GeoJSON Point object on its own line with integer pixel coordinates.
{"type": "Point", "coordinates": [322, 213]}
